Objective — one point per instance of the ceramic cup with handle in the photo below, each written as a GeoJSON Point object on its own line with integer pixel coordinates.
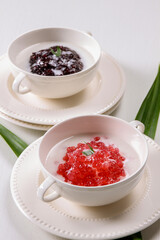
{"type": "Point", "coordinates": [128, 133]}
{"type": "Point", "coordinates": [25, 81]}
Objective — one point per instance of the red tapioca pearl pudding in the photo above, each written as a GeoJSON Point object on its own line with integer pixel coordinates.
{"type": "Point", "coordinates": [92, 164]}
{"type": "Point", "coordinates": [92, 160]}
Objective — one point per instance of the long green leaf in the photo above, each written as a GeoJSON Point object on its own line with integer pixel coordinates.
{"type": "Point", "coordinates": [15, 143]}
{"type": "Point", "coordinates": [144, 105]}
{"type": "Point", "coordinates": [149, 111]}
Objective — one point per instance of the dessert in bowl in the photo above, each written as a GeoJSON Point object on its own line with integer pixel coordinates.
{"type": "Point", "coordinates": [92, 160]}
{"type": "Point", "coordinates": [53, 62]}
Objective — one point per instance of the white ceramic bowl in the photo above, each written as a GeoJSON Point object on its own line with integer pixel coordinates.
{"type": "Point", "coordinates": [51, 86]}
{"type": "Point", "coordinates": [98, 124]}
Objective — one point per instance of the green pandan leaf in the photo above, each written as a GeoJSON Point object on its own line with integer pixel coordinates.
{"type": "Point", "coordinates": [149, 111]}
{"type": "Point", "coordinates": [15, 143]}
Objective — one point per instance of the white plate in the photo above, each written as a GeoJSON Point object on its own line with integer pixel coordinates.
{"type": "Point", "coordinates": [63, 218]}
{"type": "Point", "coordinates": [40, 126]}
{"type": "Point", "coordinates": [101, 95]}
{"type": "Point", "coordinates": [25, 124]}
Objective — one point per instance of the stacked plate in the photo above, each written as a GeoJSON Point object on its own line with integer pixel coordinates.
{"type": "Point", "coordinates": [102, 95]}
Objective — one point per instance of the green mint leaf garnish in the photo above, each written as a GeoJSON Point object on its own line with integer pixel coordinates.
{"type": "Point", "coordinates": [88, 152]}
{"type": "Point", "coordinates": [90, 147]}
{"type": "Point", "coordinates": [57, 53]}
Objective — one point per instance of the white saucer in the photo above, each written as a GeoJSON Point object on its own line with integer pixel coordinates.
{"type": "Point", "coordinates": [63, 218]}
{"type": "Point", "coordinates": [102, 94]}
{"type": "Point", "coordinates": [40, 126]}
{"type": "Point", "coordinates": [25, 124]}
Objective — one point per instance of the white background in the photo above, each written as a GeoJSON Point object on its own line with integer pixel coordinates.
{"type": "Point", "coordinates": [129, 30]}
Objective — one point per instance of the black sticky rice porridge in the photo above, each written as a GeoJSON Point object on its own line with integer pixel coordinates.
{"type": "Point", "coordinates": [55, 61]}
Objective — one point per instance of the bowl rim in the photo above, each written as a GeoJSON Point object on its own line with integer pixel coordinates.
{"type": "Point", "coordinates": [113, 185]}
{"type": "Point", "coordinates": [64, 77]}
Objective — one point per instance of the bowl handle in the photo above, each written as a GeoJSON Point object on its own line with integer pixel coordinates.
{"type": "Point", "coordinates": [17, 82]}
{"type": "Point", "coordinates": [45, 185]}
{"type": "Point", "coordinates": [137, 124]}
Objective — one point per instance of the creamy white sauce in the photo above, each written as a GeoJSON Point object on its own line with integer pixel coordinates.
{"type": "Point", "coordinates": [56, 154]}
{"type": "Point", "coordinates": [22, 59]}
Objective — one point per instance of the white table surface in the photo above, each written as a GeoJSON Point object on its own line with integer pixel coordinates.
{"type": "Point", "coordinates": [127, 30]}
